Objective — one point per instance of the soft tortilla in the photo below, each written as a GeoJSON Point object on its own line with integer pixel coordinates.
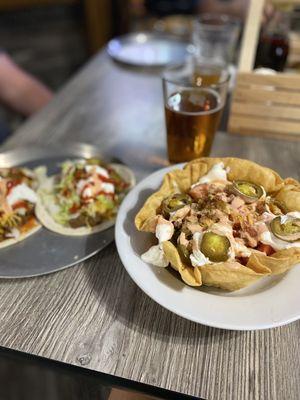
{"type": "Point", "coordinates": [25, 233]}
{"type": "Point", "coordinates": [31, 226]}
{"type": "Point", "coordinates": [46, 219]}
{"type": "Point", "coordinates": [229, 275]}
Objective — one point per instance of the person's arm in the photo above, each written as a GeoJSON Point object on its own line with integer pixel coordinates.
{"type": "Point", "coordinates": [19, 90]}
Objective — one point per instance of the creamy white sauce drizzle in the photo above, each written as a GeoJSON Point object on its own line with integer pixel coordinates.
{"type": "Point", "coordinates": [85, 186]}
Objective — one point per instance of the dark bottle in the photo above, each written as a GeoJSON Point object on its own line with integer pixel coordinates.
{"type": "Point", "coordinates": [273, 46]}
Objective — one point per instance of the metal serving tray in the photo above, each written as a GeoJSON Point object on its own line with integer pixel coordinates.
{"type": "Point", "coordinates": [45, 252]}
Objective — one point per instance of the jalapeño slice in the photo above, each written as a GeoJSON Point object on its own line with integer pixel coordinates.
{"type": "Point", "coordinates": [184, 255]}
{"type": "Point", "coordinates": [215, 246]}
{"type": "Point", "coordinates": [175, 202]}
{"type": "Point", "coordinates": [248, 191]}
{"type": "Point", "coordinates": [288, 231]}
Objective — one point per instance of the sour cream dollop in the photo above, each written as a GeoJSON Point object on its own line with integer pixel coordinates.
{"type": "Point", "coordinates": [277, 244]}
{"type": "Point", "coordinates": [291, 215]}
{"type": "Point", "coordinates": [197, 257]}
{"type": "Point", "coordinates": [96, 168]}
{"type": "Point", "coordinates": [216, 173]}
{"type": "Point", "coordinates": [269, 238]}
{"type": "Point", "coordinates": [155, 256]}
{"type": "Point", "coordinates": [21, 192]}
{"type": "Point", "coordinates": [164, 230]}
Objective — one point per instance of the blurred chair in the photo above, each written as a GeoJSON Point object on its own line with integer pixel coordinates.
{"type": "Point", "coordinates": [98, 16]}
{"type": "Point", "coordinates": [264, 104]}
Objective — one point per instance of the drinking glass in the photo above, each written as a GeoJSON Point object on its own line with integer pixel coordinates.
{"type": "Point", "coordinates": [193, 107]}
{"type": "Point", "coordinates": [215, 38]}
{"type": "Point", "coordinates": [273, 46]}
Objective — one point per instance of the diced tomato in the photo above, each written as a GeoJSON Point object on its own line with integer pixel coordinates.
{"type": "Point", "coordinates": [80, 174]}
{"type": "Point", "coordinates": [105, 179]}
{"type": "Point", "coordinates": [11, 184]}
{"type": "Point", "coordinates": [243, 260]}
{"type": "Point", "coordinates": [74, 208]}
{"type": "Point", "coordinates": [265, 248]}
{"type": "Point", "coordinates": [87, 199]}
{"type": "Point", "coordinates": [83, 189]}
{"type": "Point", "coordinates": [66, 192]}
{"type": "Point", "coordinates": [119, 183]}
{"type": "Point", "coordinates": [20, 204]}
{"type": "Point", "coordinates": [87, 185]}
{"type": "Point", "coordinates": [123, 185]}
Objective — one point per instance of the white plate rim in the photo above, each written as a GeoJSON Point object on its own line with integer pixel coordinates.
{"type": "Point", "coordinates": [149, 36]}
{"type": "Point", "coordinates": [124, 249]}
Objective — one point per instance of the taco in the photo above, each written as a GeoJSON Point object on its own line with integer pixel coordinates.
{"type": "Point", "coordinates": [223, 222]}
{"type": "Point", "coordinates": [84, 197]}
{"type": "Point", "coordinates": [17, 202]}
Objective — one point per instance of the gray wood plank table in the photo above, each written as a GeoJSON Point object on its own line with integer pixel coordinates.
{"type": "Point", "coordinates": [93, 315]}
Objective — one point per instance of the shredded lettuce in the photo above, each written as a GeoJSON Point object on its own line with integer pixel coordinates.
{"type": "Point", "coordinates": [67, 177]}
{"type": "Point", "coordinates": [63, 216]}
{"type": "Point", "coordinates": [102, 205]}
{"type": "Point", "coordinates": [65, 197]}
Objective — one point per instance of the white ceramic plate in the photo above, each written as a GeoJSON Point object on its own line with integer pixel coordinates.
{"type": "Point", "coordinates": [270, 302]}
{"type": "Point", "coordinates": [148, 49]}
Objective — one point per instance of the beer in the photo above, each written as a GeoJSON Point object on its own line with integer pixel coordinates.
{"type": "Point", "coordinates": [192, 118]}
{"type": "Point", "coordinates": [207, 76]}
{"type": "Point", "coordinates": [194, 95]}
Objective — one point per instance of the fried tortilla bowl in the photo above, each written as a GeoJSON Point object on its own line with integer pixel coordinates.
{"type": "Point", "coordinates": [229, 275]}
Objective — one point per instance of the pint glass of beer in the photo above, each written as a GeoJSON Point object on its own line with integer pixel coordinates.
{"type": "Point", "coordinates": [193, 107]}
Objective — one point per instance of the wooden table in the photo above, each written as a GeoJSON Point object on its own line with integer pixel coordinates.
{"type": "Point", "coordinates": [93, 315]}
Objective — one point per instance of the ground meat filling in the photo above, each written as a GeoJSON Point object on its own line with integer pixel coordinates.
{"type": "Point", "coordinates": [215, 204]}
{"type": "Point", "coordinates": [85, 220]}
{"type": "Point", "coordinates": [16, 215]}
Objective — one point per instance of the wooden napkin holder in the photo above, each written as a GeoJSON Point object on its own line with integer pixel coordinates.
{"type": "Point", "coordinates": [266, 105]}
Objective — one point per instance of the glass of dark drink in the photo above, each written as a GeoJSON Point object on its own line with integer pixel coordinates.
{"type": "Point", "coordinates": [273, 46]}
{"type": "Point", "coordinates": [193, 107]}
